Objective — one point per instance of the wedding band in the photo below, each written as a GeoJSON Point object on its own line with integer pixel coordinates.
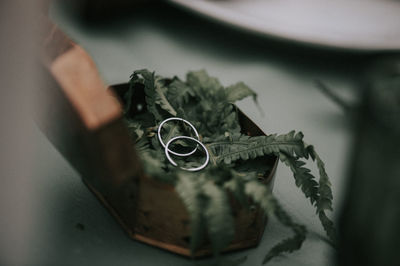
{"type": "Point", "coordinates": [178, 119]}
{"type": "Point", "coordinates": [167, 151]}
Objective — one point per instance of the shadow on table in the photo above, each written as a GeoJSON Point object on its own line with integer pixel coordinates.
{"type": "Point", "coordinates": [202, 34]}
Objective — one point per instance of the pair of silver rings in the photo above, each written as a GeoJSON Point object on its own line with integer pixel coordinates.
{"type": "Point", "coordinates": [168, 151]}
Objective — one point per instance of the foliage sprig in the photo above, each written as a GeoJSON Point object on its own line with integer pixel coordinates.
{"type": "Point", "coordinates": [202, 100]}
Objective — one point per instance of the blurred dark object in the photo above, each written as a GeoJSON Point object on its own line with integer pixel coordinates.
{"type": "Point", "coordinates": [103, 10]}
{"type": "Point", "coordinates": [370, 220]}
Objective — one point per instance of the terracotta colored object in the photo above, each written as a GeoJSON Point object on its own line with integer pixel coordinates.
{"type": "Point", "coordinates": [84, 121]}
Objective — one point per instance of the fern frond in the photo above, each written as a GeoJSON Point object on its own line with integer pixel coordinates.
{"type": "Point", "coordinates": [260, 195]}
{"type": "Point", "coordinates": [289, 147]}
{"type": "Point", "coordinates": [324, 189]}
{"type": "Point", "coordinates": [179, 93]}
{"type": "Point", "coordinates": [325, 195]}
{"type": "Point", "coordinates": [303, 177]}
{"type": "Point", "coordinates": [251, 147]}
{"type": "Point", "coordinates": [161, 99]}
{"type": "Point", "coordinates": [236, 185]}
{"type": "Point", "coordinates": [289, 244]}
{"type": "Point", "coordinates": [154, 95]}
{"type": "Point", "coordinates": [202, 83]}
{"type": "Point", "coordinates": [329, 227]}
{"type": "Point", "coordinates": [147, 79]}
{"type": "Point", "coordinates": [264, 198]}
{"type": "Point", "coordinates": [189, 190]}
{"type": "Point", "coordinates": [219, 220]}
{"type": "Point", "coordinates": [134, 128]}
{"type": "Point", "coordinates": [238, 92]}
{"type": "Point", "coordinates": [320, 194]}
{"type": "Point", "coordinates": [202, 100]}
{"type": "Point", "coordinates": [142, 145]}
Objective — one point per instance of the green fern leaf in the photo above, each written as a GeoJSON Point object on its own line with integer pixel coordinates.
{"type": "Point", "coordinates": [324, 189]}
{"type": "Point", "coordinates": [325, 196]}
{"type": "Point", "coordinates": [289, 244]}
{"type": "Point", "coordinates": [238, 92]}
{"type": "Point", "coordinates": [202, 83]}
{"type": "Point", "coordinates": [161, 98]}
{"type": "Point", "coordinates": [179, 93]}
{"type": "Point", "coordinates": [251, 147]}
{"type": "Point", "coordinates": [236, 186]}
{"type": "Point", "coordinates": [264, 198]}
{"type": "Point", "coordinates": [303, 177]}
{"type": "Point", "coordinates": [260, 195]}
{"type": "Point", "coordinates": [289, 147]}
{"type": "Point", "coordinates": [154, 94]}
{"type": "Point", "coordinates": [220, 224]}
{"type": "Point", "coordinates": [202, 100]}
{"type": "Point", "coordinates": [320, 194]}
{"type": "Point", "coordinates": [188, 188]}
{"type": "Point", "coordinates": [146, 78]}
{"type": "Point", "coordinates": [142, 145]}
{"type": "Point", "coordinates": [134, 128]}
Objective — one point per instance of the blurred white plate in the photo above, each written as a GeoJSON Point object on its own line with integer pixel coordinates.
{"type": "Point", "coordinates": [348, 24]}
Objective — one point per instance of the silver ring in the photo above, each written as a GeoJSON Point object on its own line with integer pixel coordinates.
{"type": "Point", "coordinates": [178, 119]}
{"type": "Point", "coordinates": [167, 151]}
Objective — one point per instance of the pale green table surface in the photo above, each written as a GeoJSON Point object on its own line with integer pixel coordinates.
{"type": "Point", "coordinates": [171, 42]}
